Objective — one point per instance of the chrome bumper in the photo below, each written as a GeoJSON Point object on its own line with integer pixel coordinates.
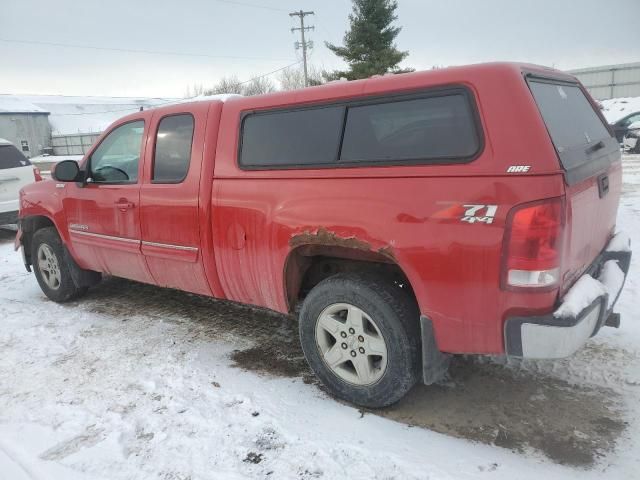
{"type": "Point", "coordinates": [582, 312]}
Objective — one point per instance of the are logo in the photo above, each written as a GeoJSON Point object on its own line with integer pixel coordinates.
{"type": "Point", "coordinates": [518, 168]}
{"type": "Point", "coordinates": [479, 213]}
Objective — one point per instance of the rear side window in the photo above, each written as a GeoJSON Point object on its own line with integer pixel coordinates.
{"type": "Point", "coordinates": [426, 128]}
{"type": "Point", "coordinates": [573, 124]}
{"type": "Point", "coordinates": [10, 157]}
{"type": "Point", "coordinates": [287, 138]}
{"type": "Point", "coordinates": [173, 149]}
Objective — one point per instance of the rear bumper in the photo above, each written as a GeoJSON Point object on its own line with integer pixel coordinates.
{"type": "Point", "coordinates": [7, 218]}
{"type": "Point", "coordinates": [582, 312]}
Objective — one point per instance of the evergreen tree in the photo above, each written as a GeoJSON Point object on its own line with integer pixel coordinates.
{"type": "Point", "coordinates": [368, 45]}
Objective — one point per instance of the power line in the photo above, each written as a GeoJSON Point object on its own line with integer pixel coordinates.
{"type": "Point", "coordinates": [173, 102]}
{"type": "Point", "coordinates": [330, 35]}
{"type": "Point", "coordinates": [270, 73]}
{"type": "Point", "coordinates": [243, 4]}
{"type": "Point", "coordinates": [128, 50]}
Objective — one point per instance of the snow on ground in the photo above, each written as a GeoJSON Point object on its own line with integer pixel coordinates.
{"type": "Point", "coordinates": [136, 382]}
{"type": "Point", "coordinates": [46, 162]}
{"type": "Point", "coordinates": [54, 158]}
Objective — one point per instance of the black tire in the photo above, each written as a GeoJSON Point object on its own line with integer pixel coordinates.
{"type": "Point", "coordinates": [66, 289]}
{"type": "Point", "coordinates": [397, 319]}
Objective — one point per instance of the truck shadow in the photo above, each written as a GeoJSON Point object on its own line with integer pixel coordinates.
{"type": "Point", "coordinates": [7, 235]}
{"type": "Point", "coordinates": [482, 400]}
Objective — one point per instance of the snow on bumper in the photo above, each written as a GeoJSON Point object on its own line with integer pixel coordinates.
{"type": "Point", "coordinates": [583, 310]}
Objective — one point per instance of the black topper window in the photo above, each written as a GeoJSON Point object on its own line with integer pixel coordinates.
{"type": "Point", "coordinates": [422, 128]}
{"type": "Point", "coordinates": [435, 127]}
{"type": "Point", "coordinates": [296, 137]}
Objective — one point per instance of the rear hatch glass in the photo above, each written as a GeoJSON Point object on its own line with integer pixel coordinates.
{"type": "Point", "coordinates": [10, 157]}
{"type": "Point", "coordinates": [587, 151]}
{"type": "Point", "coordinates": [582, 140]}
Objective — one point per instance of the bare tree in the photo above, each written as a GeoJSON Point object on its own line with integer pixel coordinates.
{"type": "Point", "coordinates": [289, 79]}
{"type": "Point", "coordinates": [258, 86]}
{"type": "Point", "coordinates": [194, 91]}
{"type": "Point", "coordinates": [226, 85]}
{"type": "Point", "coordinates": [292, 78]}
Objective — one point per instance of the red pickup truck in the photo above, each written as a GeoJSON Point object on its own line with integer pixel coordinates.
{"type": "Point", "coordinates": [403, 218]}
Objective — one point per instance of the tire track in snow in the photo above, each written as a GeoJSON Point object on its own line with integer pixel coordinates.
{"type": "Point", "coordinates": [13, 468]}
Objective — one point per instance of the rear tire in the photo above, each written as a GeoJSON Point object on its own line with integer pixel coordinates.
{"type": "Point", "coordinates": [50, 268]}
{"type": "Point", "coordinates": [360, 336]}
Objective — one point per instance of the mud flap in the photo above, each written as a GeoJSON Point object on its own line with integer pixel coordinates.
{"type": "Point", "coordinates": [435, 364]}
{"type": "Point", "coordinates": [80, 276]}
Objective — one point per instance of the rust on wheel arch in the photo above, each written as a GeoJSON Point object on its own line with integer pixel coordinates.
{"type": "Point", "coordinates": [327, 243]}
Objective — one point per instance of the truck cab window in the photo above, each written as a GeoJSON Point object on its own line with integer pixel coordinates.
{"type": "Point", "coordinates": [117, 157]}
{"type": "Point", "coordinates": [173, 149]}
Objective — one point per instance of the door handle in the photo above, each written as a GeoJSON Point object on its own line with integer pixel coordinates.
{"type": "Point", "coordinates": [123, 205]}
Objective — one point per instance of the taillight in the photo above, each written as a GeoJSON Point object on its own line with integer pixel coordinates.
{"type": "Point", "coordinates": [533, 245]}
{"type": "Point", "coordinates": [37, 175]}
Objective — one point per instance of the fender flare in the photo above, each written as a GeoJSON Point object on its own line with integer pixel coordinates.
{"type": "Point", "coordinates": [29, 225]}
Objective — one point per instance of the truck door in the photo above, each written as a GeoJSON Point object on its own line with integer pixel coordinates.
{"type": "Point", "coordinates": [103, 216]}
{"type": "Point", "coordinates": [169, 202]}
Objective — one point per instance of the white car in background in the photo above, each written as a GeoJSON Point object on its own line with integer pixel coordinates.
{"type": "Point", "coordinates": [631, 141]}
{"type": "Point", "coordinates": [16, 171]}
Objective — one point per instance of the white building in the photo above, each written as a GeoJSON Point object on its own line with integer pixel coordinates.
{"type": "Point", "coordinates": [611, 81]}
{"type": "Point", "coordinates": [75, 122]}
{"type": "Point", "coordinates": [25, 125]}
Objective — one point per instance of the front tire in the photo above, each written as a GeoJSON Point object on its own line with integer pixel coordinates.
{"type": "Point", "coordinates": [360, 336]}
{"type": "Point", "coordinates": [50, 268]}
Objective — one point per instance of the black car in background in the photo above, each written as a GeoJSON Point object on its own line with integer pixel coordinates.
{"type": "Point", "coordinates": [621, 127]}
{"type": "Point", "coordinates": [631, 142]}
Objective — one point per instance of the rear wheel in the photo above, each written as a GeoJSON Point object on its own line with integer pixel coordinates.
{"type": "Point", "coordinates": [360, 336]}
{"type": "Point", "coordinates": [50, 268]}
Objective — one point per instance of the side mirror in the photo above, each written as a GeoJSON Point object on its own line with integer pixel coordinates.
{"type": "Point", "coordinates": [66, 171]}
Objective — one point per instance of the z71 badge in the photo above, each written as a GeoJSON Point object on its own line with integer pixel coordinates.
{"type": "Point", "coordinates": [479, 213]}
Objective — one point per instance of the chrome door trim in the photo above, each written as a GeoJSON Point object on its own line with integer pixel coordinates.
{"type": "Point", "coordinates": [106, 237]}
{"type": "Point", "coordinates": [168, 245]}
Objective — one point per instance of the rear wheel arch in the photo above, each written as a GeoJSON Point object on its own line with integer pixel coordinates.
{"type": "Point", "coordinates": [307, 265]}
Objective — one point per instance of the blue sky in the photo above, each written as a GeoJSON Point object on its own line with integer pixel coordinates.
{"type": "Point", "coordinates": [561, 33]}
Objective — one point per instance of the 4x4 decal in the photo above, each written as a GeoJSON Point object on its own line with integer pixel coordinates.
{"type": "Point", "coordinates": [479, 213]}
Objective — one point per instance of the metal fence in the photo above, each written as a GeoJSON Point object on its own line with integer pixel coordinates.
{"type": "Point", "coordinates": [76, 144]}
{"type": "Point", "coordinates": [611, 81]}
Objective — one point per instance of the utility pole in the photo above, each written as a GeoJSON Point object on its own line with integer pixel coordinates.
{"type": "Point", "coordinates": [304, 44]}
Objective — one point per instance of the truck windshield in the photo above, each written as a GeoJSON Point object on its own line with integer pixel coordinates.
{"type": "Point", "coordinates": [575, 128]}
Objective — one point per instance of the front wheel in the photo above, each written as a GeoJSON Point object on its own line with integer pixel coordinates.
{"type": "Point", "coordinates": [50, 268]}
{"type": "Point", "coordinates": [360, 336]}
